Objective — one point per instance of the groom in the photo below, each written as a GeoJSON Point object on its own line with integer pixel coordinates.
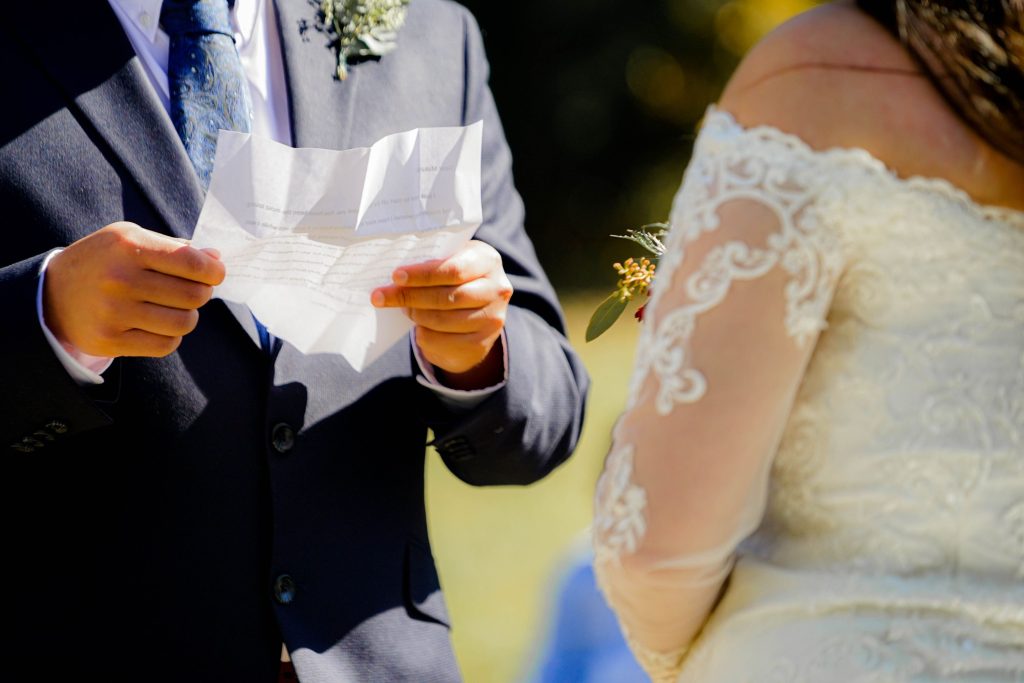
{"type": "Point", "coordinates": [183, 493]}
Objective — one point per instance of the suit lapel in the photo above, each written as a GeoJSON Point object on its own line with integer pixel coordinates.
{"type": "Point", "coordinates": [130, 117]}
{"type": "Point", "coordinates": [112, 92]}
{"type": "Point", "coordinates": [321, 107]}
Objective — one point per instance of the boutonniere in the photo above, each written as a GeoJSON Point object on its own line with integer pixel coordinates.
{"type": "Point", "coordinates": [361, 29]}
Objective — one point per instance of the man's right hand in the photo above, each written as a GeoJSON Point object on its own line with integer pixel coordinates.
{"type": "Point", "coordinates": [128, 291]}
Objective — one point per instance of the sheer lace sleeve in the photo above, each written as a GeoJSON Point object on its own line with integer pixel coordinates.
{"type": "Point", "coordinates": [739, 299]}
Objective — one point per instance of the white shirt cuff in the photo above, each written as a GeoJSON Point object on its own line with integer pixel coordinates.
{"type": "Point", "coordinates": [464, 399]}
{"type": "Point", "coordinates": [82, 367]}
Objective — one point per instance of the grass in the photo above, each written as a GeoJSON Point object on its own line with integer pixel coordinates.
{"type": "Point", "coordinates": [500, 550]}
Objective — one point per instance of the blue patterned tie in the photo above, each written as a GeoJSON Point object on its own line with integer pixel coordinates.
{"type": "Point", "coordinates": [207, 82]}
{"type": "Point", "coordinates": [208, 87]}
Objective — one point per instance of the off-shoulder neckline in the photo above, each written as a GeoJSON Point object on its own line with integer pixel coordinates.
{"type": "Point", "coordinates": [932, 184]}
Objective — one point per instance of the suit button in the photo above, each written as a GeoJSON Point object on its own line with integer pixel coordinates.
{"type": "Point", "coordinates": [282, 438]}
{"type": "Point", "coordinates": [284, 589]}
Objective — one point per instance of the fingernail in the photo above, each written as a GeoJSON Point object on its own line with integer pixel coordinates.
{"type": "Point", "coordinates": [377, 298]}
{"type": "Point", "coordinates": [400, 277]}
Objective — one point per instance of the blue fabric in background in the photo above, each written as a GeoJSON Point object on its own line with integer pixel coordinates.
{"type": "Point", "coordinates": [584, 644]}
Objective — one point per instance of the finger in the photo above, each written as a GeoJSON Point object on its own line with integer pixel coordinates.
{"type": "Point", "coordinates": [475, 260]}
{"type": "Point", "coordinates": [169, 256]}
{"type": "Point", "coordinates": [168, 290]}
{"type": "Point", "coordinates": [143, 343]}
{"type": "Point", "coordinates": [161, 320]}
{"type": "Point", "coordinates": [475, 294]}
{"type": "Point", "coordinates": [488, 319]}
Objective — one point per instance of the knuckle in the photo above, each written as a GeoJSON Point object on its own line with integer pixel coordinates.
{"type": "Point", "coordinates": [192, 260]}
{"type": "Point", "coordinates": [403, 298]}
{"type": "Point", "coordinates": [102, 335]}
{"type": "Point", "coordinates": [188, 320]}
{"type": "Point", "coordinates": [122, 243]}
{"type": "Point", "coordinates": [451, 271]}
{"type": "Point", "coordinates": [123, 235]}
{"type": "Point", "coordinates": [196, 295]}
{"type": "Point", "coordinates": [420, 317]}
{"type": "Point", "coordinates": [218, 274]}
{"type": "Point", "coordinates": [505, 290]}
{"type": "Point", "coordinates": [168, 345]}
{"type": "Point", "coordinates": [123, 227]}
{"type": "Point", "coordinates": [495, 323]}
{"type": "Point", "coordinates": [116, 281]}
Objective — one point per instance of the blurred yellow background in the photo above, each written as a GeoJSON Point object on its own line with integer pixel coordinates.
{"type": "Point", "coordinates": [500, 551]}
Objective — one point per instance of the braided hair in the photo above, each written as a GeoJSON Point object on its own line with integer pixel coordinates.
{"type": "Point", "coordinates": [973, 50]}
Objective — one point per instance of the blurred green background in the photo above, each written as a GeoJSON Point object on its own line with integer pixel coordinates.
{"type": "Point", "coordinates": [600, 100]}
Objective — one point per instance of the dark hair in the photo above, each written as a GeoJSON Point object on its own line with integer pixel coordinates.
{"type": "Point", "coordinates": [974, 52]}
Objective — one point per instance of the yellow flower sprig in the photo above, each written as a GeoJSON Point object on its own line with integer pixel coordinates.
{"type": "Point", "coordinates": [635, 278]}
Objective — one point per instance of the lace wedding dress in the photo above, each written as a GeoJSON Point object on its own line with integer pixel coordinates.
{"type": "Point", "coordinates": [823, 447]}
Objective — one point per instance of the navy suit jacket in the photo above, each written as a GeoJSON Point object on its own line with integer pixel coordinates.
{"type": "Point", "coordinates": [179, 521]}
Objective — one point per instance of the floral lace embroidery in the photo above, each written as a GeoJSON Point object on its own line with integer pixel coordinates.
{"type": "Point", "coordinates": [619, 522]}
{"type": "Point", "coordinates": [662, 667]}
{"type": "Point", "coordinates": [803, 246]}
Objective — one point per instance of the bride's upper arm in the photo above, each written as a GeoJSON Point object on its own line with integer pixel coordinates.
{"type": "Point", "coordinates": [740, 296]}
{"type": "Point", "coordinates": [739, 300]}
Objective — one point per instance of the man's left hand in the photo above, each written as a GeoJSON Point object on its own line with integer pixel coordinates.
{"type": "Point", "coordinates": [459, 306]}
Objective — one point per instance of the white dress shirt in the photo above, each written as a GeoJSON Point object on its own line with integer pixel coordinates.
{"type": "Point", "coordinates": [254, 23]}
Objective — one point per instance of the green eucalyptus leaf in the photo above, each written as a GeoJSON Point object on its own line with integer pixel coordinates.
{"type": "Point", "coordinates": [648, 238]}
{"type": "Point", "coordinates": [605, 316]}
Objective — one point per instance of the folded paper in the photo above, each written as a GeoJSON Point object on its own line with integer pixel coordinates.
{"type": "Point", "coordinates": [307, 234]}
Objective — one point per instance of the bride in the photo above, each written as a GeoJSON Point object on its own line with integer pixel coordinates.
{"type": "Point", "coordinates": [819, 476]}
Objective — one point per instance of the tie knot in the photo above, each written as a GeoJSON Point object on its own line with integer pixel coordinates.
{"type": "Point", "coordinates": [180, 17]}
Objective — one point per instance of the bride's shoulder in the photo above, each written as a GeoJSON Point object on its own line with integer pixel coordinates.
{"type": "Point", "coordinates": [835, 77]}
{"type": "Point", "coordinates": [832, 76]}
